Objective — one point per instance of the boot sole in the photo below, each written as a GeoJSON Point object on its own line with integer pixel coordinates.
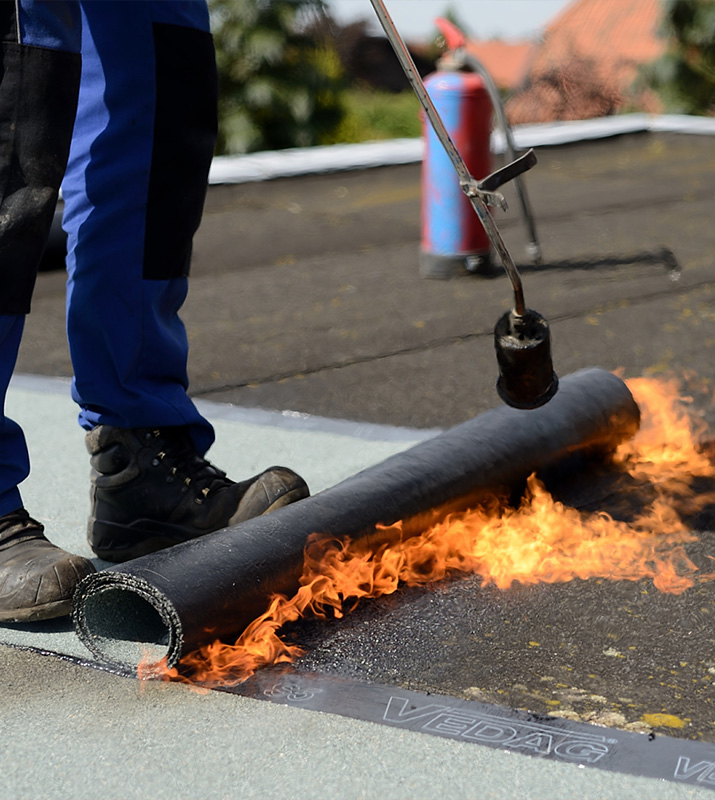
{"type": "Point", "coordinates": [60, 608]}
{"type": "Point", "coordinates": [120, 543]}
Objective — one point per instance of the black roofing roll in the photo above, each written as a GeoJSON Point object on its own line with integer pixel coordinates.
{"type": "Point", "coordinates": [173, 601]}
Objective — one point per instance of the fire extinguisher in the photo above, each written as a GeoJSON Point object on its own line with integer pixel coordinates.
{"type": "Point", "coordinates": [453, 239]}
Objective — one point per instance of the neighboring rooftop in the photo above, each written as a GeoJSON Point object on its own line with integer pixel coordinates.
{"type": "Point", "coordinates": [588, 61]}
{"type": "Point", "coordinates": [507, 62]}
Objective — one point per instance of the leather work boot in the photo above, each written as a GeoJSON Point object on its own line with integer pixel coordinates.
{"type": "Point", "coordinates": [37, 579]}
{"type": "Point", "coordinates": [151, 489]}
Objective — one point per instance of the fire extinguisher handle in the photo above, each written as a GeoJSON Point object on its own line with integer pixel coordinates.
{"type": "Point", "coordinates": [452, 35]}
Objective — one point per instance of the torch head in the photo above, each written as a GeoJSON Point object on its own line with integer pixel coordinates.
{"type": "Point", "coordinates": [526, 373]}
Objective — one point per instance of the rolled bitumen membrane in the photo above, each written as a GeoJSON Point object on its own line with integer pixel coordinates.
{"type": "Point", "coordinates": [166, 604]}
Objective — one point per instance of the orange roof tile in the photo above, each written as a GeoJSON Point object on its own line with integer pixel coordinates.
{"type": "Point", "coordinates": [588, 60]}
{"type": "Point", "coordinates": [506, 62]}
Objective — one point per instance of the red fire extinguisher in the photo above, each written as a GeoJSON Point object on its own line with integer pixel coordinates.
{"type": "Point", "coordinates": [453, 239]}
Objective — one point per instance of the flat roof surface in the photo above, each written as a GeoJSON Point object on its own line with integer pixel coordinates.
{"type": "Point", "coordinates": [333, 353]}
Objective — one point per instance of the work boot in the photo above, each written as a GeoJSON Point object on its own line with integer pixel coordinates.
{"type": "Point", "coordinates": [37, 579]}
{"type": "Point", "coordinates": [151, 489]}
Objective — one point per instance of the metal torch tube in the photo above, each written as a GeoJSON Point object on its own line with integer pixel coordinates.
{"type": "Point", "coordinates": [467, 181]}
{"type": "Point", "coordinates": [485, 217]}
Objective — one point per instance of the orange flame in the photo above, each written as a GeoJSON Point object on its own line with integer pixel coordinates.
{"type": "Point", "coordinates": [667, 444]}
{"type": "Point", "coordinates": [541, 541]}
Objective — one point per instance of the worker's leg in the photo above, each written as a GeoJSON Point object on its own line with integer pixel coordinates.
{"type": "Point", "coordinates": [39, 79]}
{"type": "Point", "coordinates": [134, 194]}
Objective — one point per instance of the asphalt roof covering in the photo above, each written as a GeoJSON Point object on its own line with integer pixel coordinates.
{"type": "Point", "coordinates": [322, 312]}
{"type": "Point", "coordinates": [620, 654]}
{"type": "Point", "coordinates": [458, 661]}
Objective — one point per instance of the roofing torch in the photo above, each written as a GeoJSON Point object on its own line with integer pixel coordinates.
{"type": "Point", "coordinates": [521, 336]}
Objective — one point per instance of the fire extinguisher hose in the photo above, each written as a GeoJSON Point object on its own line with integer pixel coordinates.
{"type": "Point", "coordinates": [169, 603]}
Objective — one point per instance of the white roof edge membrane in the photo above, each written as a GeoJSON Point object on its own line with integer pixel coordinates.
{"type": "Point", "coordinates": [343, 157]}
{"type": "Point", "coordinates": [308, 160]}
{"type": "Point", "coordinates": [682, 123]}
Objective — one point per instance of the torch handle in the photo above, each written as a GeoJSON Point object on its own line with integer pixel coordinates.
{"type": "Point", "coordinates": [469, 185]}
{"type": "Point", "coordinates": [413, 76]}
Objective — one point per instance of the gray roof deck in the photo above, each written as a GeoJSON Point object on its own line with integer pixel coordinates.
{"type": "Point", "coordinates": [315, 343]}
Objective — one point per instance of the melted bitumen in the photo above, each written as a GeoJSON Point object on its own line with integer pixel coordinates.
{"type": "Point", "coordinates": [617, 653]}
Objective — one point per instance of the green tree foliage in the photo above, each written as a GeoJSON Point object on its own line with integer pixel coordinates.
{"type": "Point", "coordinates": [684, 77]}
{"type": "Point", "coordinates": [279, 86]}
{"type": "Point", "coordinates": [371, 115]}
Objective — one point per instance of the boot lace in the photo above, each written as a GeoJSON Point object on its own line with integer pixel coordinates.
{"type": "Point", "coordinates": [176, 453]}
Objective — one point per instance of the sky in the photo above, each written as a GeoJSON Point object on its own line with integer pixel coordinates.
{"type": "Point", "coordinates": [485, 19]}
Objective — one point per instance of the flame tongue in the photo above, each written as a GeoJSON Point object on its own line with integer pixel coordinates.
{"type": "Point", "coordinates": [542, 540]}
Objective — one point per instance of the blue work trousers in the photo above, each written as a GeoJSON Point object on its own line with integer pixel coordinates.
{"type": "Point", "coordinates": [123, 94]}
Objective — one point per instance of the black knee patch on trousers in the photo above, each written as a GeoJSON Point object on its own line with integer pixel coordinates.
{"type": "Point", "coordinates": [38, 103]}
{"type": "Point", "coordinates": [185, 130]}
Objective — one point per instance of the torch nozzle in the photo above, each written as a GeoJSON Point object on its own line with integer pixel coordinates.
{"type": "Point", "coordinates": [526, 373]}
